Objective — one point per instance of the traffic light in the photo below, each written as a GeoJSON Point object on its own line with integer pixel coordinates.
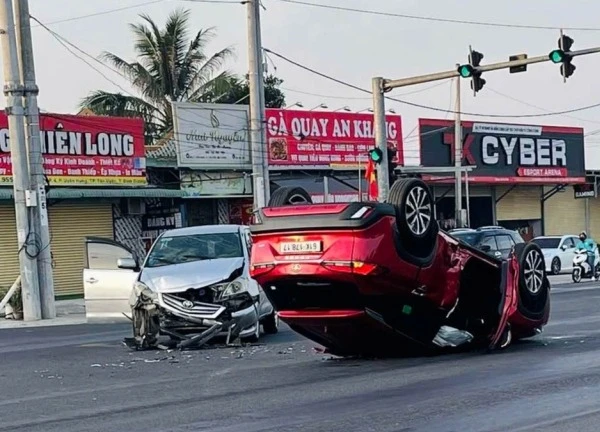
{"type": "Point", "coordinates": [563, 56]}
{"type": "Point", "coordinates": [470, 70]}
{"type": "Point", "coordinates": [376, 155]}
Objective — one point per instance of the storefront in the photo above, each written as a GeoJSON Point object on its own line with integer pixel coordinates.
{"type": "Point", "coordinates": [523, 174]}
{"type": "Point", "coordinates": [89, 161]}
{"type": "Point", "coordinates": [325, 152]}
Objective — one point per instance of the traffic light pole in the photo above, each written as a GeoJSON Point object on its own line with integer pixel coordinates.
{"type": "Point", "coordinates": [382, 86]}
{"type": "Point", "coordinates": [458, 159]}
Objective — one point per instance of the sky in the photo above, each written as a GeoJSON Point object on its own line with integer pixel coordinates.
{"type": "Point", "coordinates": [353, 47]}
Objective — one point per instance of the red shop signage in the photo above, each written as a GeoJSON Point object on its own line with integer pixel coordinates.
{"type": "Point", "coordinates": [313, 139]}
{"type": "Point", "coordinates": [85, 150]}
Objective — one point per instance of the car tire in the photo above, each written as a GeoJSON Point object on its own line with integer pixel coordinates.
{"type": "Point", "coordinates": [289, 195]}
{"type": "Point", "coordinates": [415, 221]}
{"type": "Point", "coordinates": [555, 266]}
{"type": "Point", "coordinates": [271, 323]}
{"type": "Point", "coordinates": [534, 286]}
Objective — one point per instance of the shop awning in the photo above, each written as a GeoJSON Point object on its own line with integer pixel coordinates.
{"type": "Point", "coordinates": [78, 193]}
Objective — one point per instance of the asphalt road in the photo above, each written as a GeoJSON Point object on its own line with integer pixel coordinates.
{"type": "Point", "coordinates": [80, 378]}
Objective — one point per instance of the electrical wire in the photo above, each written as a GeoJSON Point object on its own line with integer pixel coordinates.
{"type": "Point", "coordinates": [344, 83]}
{"type": "Point", "coordinates": [435, 19]}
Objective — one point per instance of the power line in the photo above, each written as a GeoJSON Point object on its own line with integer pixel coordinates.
{"type": "Point", "coordinates": [435, 19]}
{"type": "Point", "coordinates": [344, 83]}
{"type": "Point", "coordinates": [134, 6]}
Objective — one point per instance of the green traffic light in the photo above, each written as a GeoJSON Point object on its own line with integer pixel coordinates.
{"type": "Point", "coordinates": [465, 71]}
{"type": "Point", "coordinates": [557, 56]}
{"type": "Point", "coordinates": [375, 155]}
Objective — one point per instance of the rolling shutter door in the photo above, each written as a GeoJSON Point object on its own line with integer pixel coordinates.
{"type": "Point", "coordinates": [521, 203]}
{"type": "Point", "coordinates": [69, 225]}
{"type": "Point", "coordinates": [594, 218]}
{"type": "Point", "coordinates": [563, 214]}
{"type": "Point", "coordinates": [9, 258]}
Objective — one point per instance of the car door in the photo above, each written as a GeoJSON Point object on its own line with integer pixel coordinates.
{"type": "Point", "coordinates": [567, 252]}
{"type": "Point", "coordinates": [106, 286]}
{"type": "Point", "coordinates": [489, 241]}
{"type": "Point", "coordinates": [265, 307]}
{"type": "Point", "coordinates": [505, 244]}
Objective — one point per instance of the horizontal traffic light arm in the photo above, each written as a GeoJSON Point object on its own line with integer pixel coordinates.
{"type": "Point", "coordinates": [404, 82]}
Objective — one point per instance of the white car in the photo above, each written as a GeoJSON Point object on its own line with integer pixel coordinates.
{"type": "Point", "coordinates": [194, 284]}
{"type": "Point", "coordinates": [558, 252]}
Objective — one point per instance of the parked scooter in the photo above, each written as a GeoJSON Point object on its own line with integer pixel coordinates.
{"type": "Point", "coordinates": [581, 268]}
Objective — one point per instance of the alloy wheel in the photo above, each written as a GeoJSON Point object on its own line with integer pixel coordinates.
{"type": "Point", "coordinates": [534, 271]}
{"type": "Point", "coordinates": [418, 211]}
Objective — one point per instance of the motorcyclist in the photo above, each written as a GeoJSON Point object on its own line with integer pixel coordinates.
{"type": "Point", "coordinates": [589, 246]}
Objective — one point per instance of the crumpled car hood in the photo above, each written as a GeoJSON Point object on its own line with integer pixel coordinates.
{"type": "Point", "coordinates": [197, 274]}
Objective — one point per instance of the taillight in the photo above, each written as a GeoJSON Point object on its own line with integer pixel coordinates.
{"type": "Point", "coordinates": [259, 269]}
{"type": "Point", "coordinates": [354, 267]}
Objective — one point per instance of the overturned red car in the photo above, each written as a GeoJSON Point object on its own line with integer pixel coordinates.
{"type": "Point", "coordinates": [380, 278]}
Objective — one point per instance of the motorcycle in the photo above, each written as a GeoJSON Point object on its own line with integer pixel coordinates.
{"type": "Point", "coordinates": [581, 268]}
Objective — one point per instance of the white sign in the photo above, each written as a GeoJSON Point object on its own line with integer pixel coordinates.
{"type": "Point", "coordinates": [212, 136]}
{"type": "Point", "coordinates": [195, 185]}
{"type": "Point", "coordinates": [500, 129]}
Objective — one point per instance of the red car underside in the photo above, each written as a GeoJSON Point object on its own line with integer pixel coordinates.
{"type": "Point", "coordinates": [339, 275]}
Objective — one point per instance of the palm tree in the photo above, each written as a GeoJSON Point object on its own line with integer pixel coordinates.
{"type": "Point", "coordinates": [170, 67]}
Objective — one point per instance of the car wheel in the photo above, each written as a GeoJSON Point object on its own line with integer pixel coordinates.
{"type": "Point", "coordinates": [271, 323]}
{"type": "Point", "coordinates": [289, 195]}
{"type": "Point", "coordinates": [533, 286]}
{"type": "Point", "coordinates": [555, 266]}
{"type": "Point", "coordinates": [417, 227]}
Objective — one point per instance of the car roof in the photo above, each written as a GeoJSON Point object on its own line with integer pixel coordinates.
{"type": "Point", "coordinates": [204, 229]}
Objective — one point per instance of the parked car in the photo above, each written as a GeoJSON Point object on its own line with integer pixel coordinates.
{"type": "Point", "coordinates": [558, 251]}
{"type": "Point", "coordinates": [493, 240]}
{"type": "Point", "coordinates": [194, 284]}
{"type": "Point", "coordinates": [379, 278]}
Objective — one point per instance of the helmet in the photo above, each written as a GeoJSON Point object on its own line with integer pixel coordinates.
{"type": "Point", "coordinates": [582, 234]}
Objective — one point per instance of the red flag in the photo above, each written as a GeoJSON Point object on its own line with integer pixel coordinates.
{"type": "Point", "coordinates": [371, 177]}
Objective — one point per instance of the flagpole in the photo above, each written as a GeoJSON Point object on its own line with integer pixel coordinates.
{"type": "Point", "coordinates": [359, 181]}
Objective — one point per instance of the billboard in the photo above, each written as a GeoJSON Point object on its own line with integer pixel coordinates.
{"type": "Point", "coordinates": [84, 150]}
{"type": "Point", "coordinates": [507, 153]}
{"type": "Point", "coordinates": [317, 139]}
{"type": "Point", "coordinates": [212, 136]}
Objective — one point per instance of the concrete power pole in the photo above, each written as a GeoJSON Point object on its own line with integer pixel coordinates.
{"type": "Point", "coordinates": [458, 158]}
{"type": "Point", "coordinates": [261, 92]}
{"type": "Point", "coordinates": [383, 182]}
{"type": "Point", "coordinates": [256, 112]}
{"type": "Point", "coordinates": [20, 170]}
{"type": "Point", "coordinates": [36, 160]}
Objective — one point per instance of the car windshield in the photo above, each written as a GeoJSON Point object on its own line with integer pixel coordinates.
{"type": "Point", "coordinates": [546, 242]}
{"type": "Point", "coordinates": [468, 237]}
{"type": "Point", "coordinates": [196, 247]}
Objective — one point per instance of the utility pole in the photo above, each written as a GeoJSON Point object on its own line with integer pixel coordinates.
{"type": "Point", "coordinates": [36, 159]}
{"type": "Point", "coordinates": [20, 170]}
{"type": "Point", "coordinates": [256, 113]}
{"type": "Point", "coordinates": [458, 158]}
{"type": "Point", "coordinates": [261, 92]}
{"type": "Point", "coordinates": [383, 183]}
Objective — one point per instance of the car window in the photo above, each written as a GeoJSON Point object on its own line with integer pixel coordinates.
{"type": "Point", "coordinates": [104, 256]}
{"type": "Point", "coordinates": [547, 242]}
{"type": "Point", "coordinates": [504, 241]}
{"type": "Point", "coordinates": [197, 247]}
{"type": "Point", "coordinates": [468, 237]}
{"type": "Point", "coordinates": [569, 243]}
{"type": "Point", "coordinates": [516, 237]}
{"type": "Point", "coordinates": [489, 241]}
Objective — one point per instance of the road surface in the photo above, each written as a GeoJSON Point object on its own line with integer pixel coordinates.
{"type": "Point", "coordinates": [80, 378]}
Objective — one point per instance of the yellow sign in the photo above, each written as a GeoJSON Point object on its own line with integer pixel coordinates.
{"type": "Point", "coordinates": [87, 181]}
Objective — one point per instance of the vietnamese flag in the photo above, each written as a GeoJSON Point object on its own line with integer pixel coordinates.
{"type": "Point", "coordinates": [371, 177]}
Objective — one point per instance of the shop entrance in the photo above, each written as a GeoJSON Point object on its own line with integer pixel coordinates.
{"type": "Point", "coordinates": [481, 211]}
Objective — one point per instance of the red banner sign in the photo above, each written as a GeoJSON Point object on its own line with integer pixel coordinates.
{"type": "Point", "coordinates": [314, 139]}
{"type": "Point", "coordinates": [85, 150]}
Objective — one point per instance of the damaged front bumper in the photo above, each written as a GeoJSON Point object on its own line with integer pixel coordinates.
{"type": "Point", "coordinates": [187, 322]}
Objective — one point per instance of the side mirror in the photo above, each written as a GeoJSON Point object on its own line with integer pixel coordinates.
{"type": "Point", "coordinates": [127, 263]}
{"type": "Point", "coordinates": [486, 248]}
{"type": "Point", "coordinates": [563, 248]}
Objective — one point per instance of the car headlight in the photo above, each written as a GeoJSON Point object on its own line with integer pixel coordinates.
{"type": "Point", "coordinates": [232, 288]}
{"type": "Point", "coordinates": [143, 292]}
